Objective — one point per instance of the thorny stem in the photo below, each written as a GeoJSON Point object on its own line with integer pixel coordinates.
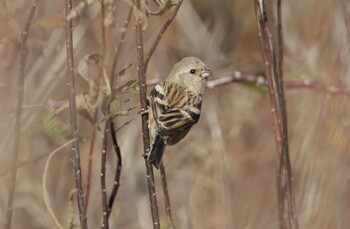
{"type": "Point", "coordinates": [144, 117]}
{"type": "Point", "coordinates": [73, 118]}
{"type": "Point", "coordinates": [18, 125]}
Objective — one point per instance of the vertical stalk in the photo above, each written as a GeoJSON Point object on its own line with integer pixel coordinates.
{"type": "Point", "coordinates": [144, 116]}
{"type": "Point", "coordinates": [73, 117]}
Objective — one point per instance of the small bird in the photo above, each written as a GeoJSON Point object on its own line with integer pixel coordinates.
{"type": "Point", "coordinates": [175, 105]}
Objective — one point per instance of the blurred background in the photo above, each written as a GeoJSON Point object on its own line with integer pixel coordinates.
{"type": "Point", "coordinates": [223, 174]}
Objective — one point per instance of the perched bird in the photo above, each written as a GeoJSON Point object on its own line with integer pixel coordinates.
{"type": "Point", "coordinates": [175, 105]}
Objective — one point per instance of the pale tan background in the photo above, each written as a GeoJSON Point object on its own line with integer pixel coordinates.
{"type": "Point", "coordinates": [222, 175]}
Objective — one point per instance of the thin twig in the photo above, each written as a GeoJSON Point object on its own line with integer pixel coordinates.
{"type": "Point", "coordinates": [90, 160]}
{"type": "Point", "coordinates": [279, 40]}
{"type": "Point", "coordinates": [144, 117]}
{"type": "Point", "coordinates": [105, 224]}
{"type": "Point", "coordinates": [287, 212]}
{"type": "Point", "coordinates": [73, 118]}
{"type": "Point", "coordinates": [118, 170]}
{"type": "Point", "coordinates": [166, 198]}
{"type": "Point", "coordinates": [17, 134]}
{"type": "Point", "coordinates": [160, 35]}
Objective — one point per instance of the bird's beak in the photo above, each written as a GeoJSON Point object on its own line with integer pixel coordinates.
{"type": "Point", "coordinates": [206, 73]}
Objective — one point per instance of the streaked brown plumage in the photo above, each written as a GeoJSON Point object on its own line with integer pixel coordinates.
{"type": "Point", "coordinates": [176, 105]}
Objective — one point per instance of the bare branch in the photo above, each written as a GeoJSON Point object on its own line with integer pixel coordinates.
{"type": "Point", "coordinates": [17, 140]}
{"type": "Point", "coordinates": [118, 170]}
{"type": "Point", "coordinates": [141, 67]}
{"type": "Point", "coordinates": [287, 212]}
{"type": "Point", "coordinates": [73, 118]}
{"type": "Point", "coordinates": [105, 224]}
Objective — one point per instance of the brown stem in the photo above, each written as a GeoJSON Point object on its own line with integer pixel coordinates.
{"type": "Point", "coordinates": [287, 212]}
{"type": "Point", "coordinates": [73, 118]}
{"type": "Point", "coordinates": [17, 134]}
{"type": "Point", "coordinates": [279, 40]}
{"type": "Point", "coordinates": [118, 170]}
{"type": "Point", "coordinates": [105, 224]}
{"type": "Point", "coordinates": [166, 197]}
{"type": "Point", "coordinates": [144, 117]}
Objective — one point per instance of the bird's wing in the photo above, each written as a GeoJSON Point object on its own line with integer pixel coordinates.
{"type": "Point", "coordinates": [171, 109]}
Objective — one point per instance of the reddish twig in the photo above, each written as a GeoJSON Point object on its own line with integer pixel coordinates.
{"type": "Point", "coordinates": [73, 118]}
{"type": "Point", "coordinates": [144, 117]}
{"type": "Point", "coordinates": [287, 212]}
{"type": "Point", "coordinates": [17, 134]}
{"type": "Point", "coordinates": [166, 198]}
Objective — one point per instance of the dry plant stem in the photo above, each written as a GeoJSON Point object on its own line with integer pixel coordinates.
{"type": "Point", "coordinates": [118, 169]}
{"type": "Point", "coordinates": [73, 118]}
{"type": "Point", "coordinates": [144, 117]}
{"type": "Point", "coordinates": [287, 214]}
{"type": "Point", "coordinates": [105, 224]}
{"type": "Point", "coordinates": [17, 134]}
{"type": "Point", "coordinates": [166, 197]}
{"type": "Point", "coordinates": [90, 164]}
{"type": "Point", "coordinates": [160, 35]}
{"type": "Point", "coordinates": [279, 40]}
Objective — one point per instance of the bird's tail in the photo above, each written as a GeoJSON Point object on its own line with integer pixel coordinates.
{"type": "Point", "coordinates": [157, 152]}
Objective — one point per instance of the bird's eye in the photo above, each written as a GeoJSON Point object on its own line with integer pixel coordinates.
{"type": "Point", "coordinates": [192, 71]}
